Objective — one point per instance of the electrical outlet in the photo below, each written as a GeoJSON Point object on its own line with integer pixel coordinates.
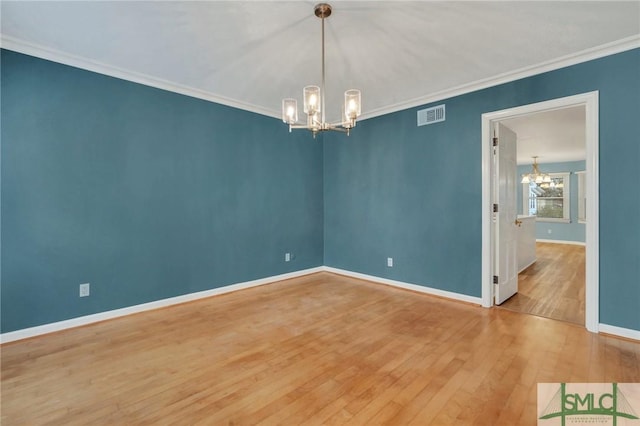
{"type": "Point", "coordinates": [287, 257]}
{"type": "Point", "coordinates": [390, 262]}
{"type": "Point", "coordinates": [548, 231]}
{"type": "Point", "coordinates": [85, 289]}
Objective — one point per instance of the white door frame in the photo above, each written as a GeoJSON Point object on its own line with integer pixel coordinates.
{"type": "Point", "coordinates": [590, 102]}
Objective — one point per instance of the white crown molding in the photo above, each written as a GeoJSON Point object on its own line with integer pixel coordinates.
{"type": "Point", "coordinates": [597, 52]}
{"type": "Point", "coordinates": [21, 46]}
{"type": "Point", "coordinates": [42, 52]}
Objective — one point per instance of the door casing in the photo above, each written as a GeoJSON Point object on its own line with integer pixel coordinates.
{"type": "Point", "coordinates": [590, 102]}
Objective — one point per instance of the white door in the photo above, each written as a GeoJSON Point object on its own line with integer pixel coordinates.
{"type": "Point", "coordinates": [505, 219]}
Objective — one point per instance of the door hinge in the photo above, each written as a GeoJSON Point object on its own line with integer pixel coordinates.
{"type": "Point", "coordinates": [495, 279]}
{"type": "Point", "coordinates": [495, 141]}
{"type": "Point", "coordinates": [495, 208]}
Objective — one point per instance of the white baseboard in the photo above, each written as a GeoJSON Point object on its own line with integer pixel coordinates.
{"type": "Point", "coordinates": [603, 328]}
{"type": "Point", "coordinates": [619, 331]}
{"type": "Point", "coordinates": [407, 286]}
{"type": "Point", "coordinates": [102, 316]}
{"type": "Point", "coordinates": [26, 333]}
{"type": "Point", "coordinates": [574, 243]}
{"type": "Point", "coordinates": [530, 263]}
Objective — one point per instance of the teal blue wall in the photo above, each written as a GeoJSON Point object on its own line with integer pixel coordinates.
{"type": "Point", "coordinates": [413, 193]}
{"type": "Point", "coordinates": [148, 194]}
{"type": "Point", "coordinates": [572, 231]}
{"type": "Point", "coordinates": [144, 193]}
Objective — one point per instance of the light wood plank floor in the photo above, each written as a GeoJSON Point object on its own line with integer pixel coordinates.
{"type": "Point", "coordinates": [321, 349]}
{"type": "Point", "coordinates": [554, 286]}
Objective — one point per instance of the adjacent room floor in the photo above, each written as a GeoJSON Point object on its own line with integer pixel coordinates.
{"type": "Point", "coordinates": [554, 286]}
{"type": "Point", "coordinates": [320, 349]}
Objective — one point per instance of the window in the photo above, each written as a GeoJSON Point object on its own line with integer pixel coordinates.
{"type": "Point", "coordinates": [582, 197]}
{"type": "Point", "coordinates": [548, 201]}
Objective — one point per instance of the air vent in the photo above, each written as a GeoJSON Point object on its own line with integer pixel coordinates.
{"type": "Point", "coordinates": [431, 115]}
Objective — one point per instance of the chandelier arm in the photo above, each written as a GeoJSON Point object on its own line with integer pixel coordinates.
{"type": "Point", "coordinates": [338, 127]}
{"type": "Point", "coordinates": [327, 127]}
{"type": "Point", "coordinates": [342, 124]}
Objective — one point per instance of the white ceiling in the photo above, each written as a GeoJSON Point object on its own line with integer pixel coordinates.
{"type": "Point", "coordinates": [553, 136]}
{"type": "Point", "coordinates": [251, 54]}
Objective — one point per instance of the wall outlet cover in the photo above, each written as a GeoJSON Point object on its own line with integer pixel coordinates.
{"type": "Point", "coordinates": [85, 289]}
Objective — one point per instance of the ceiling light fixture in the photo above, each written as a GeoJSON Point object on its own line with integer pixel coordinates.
{"type": "Point", "coordinates": [535, 175]}
{"type": "Point", "coordinates": [314, 106]}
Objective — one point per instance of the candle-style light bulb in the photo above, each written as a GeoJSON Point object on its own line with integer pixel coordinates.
{"type": "Point", "coordinates": [289, 111]}
{"type": "Point", "coordinates": [312, 100]}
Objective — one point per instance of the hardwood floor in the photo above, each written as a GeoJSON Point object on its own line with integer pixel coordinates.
{"type": "Point", "coordinates": [321, 349]}
{"type": "Point", "coordinates": [554, 286]}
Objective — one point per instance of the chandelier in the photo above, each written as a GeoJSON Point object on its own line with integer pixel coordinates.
{"type": "Point", "coordinates": [314, 105]}
{"type": "Point", "coordinates": [535, 175]}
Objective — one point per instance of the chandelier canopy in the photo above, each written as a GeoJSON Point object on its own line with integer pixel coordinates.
{"type": "Point", "coordinates": [314, 99]}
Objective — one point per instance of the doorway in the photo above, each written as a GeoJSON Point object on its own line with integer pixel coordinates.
{"type": "Point", "coordinates": [489, 242]}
